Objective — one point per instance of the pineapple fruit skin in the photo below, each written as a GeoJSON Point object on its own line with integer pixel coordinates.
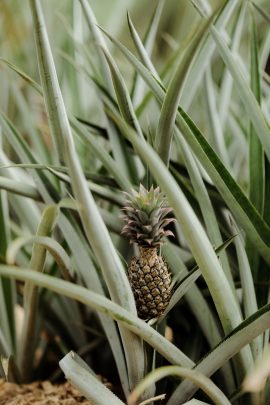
{"type": "Point", "coordinates": [150, 281]}
{"type": "Point", "coordinates": [146, 217]}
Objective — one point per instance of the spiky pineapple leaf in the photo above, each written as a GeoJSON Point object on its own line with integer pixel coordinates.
{"type": "Point", "coordinates": [21, 73]}
{"type": "Point", "coordinates": [197, 378]}
{"type": "Point", "coordinates": [170, 104]}
{"type": "Point", "coordinates": [197, 239]}
{"type": "Point", "coordinates": [208, 47]}
{"type": "Point", "coordinates": [84, 379]}
{"type": "Point", "coordinates": [118, 148]}
{"type": "Point", "coordinates": [263, 13]}
{"type": "Point", "coordinates": [226, 86]}
{"type": "Point", "coordinates": [105, 306]}
{"type": "Point", "coordinates": [248, 330]}
{"type": "Point", "coordinates": [250, 102]}
{"type": "Point", "coordinates": [122, 94]}
{"type": "Point", "coordinates": [233, 195]}
{"type": "Point", "coordinates": [148, 46]}
{"type": "Point", "coordinates": [95, 229]}
{"type": "Point", "coordinates": [256, 161]}
{"type": "Point", "coordinates": [145, 215]}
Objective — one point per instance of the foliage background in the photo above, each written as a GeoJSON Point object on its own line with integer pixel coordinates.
{"type": "Point", "coordinates": [69, 38]}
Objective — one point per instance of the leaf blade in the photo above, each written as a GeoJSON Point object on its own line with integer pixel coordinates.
{"type": "Point", "coordinates": [95, 229]}
{"type": "Point", "coordinates": [249, 218]}
{"type": "Point", "coordinates": [249, 101]}
{"type": "Point", "coordinates": [104, 305]}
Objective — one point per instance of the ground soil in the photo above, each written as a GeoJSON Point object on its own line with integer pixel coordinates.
{"type": "Point", "coordinates": [40, 393]}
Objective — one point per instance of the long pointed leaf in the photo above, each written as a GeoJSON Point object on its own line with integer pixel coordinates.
{"type": "Point", "coordinates": [249, 296]}
{"type": "Point", "coordinates": [94, 226]}
{"type": "Point", "coordinates": [7, 289]}
{"type": "Point", "coordinates": [56, 250]}
{"type": "Point", "coordinates": [256, 163]}
{"type": "Point", "coordinates": [227, 80]}
{"type": "Point", "coordinates": [104, 305]}
{"type": "Point", "coordinates": [171, 101]}
{"type": "Point", "coordinates": [256, 154]}
{"type": "Point", "coordinates": [31, 296]}
{"type": "Point", "coordinates": [17, 187]}
{"type": "Point", "coordinates": [149, 42]}
{"type": "Point", "coordinates": [244, 334]}
{"type": "Point", "coordinates": [98, 41]}
{"type": "Point", "coordinates": [243, 210]}
{"type": "Point", "coordinates": [200, 64]}
{"type": "Point", "coordinates": [87, 383]}
{"type": "Point", "coordinates": [198, 242]}
{"type": "Point", "coordinates": [204, 383]}
{"type": "Point", "coordinates": [249, 101]}
{"type": "Point", "coordinates": [89, 274]}
{"type": "Point", "coordinates": [205, 203]}
{"type": "Point", "coordinates": [124, 101]}
{"type": "Point", "coordinates": [118, 148]}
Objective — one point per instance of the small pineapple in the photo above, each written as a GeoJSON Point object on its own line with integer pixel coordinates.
{"type": "Point", "coordinates": [145, 214]}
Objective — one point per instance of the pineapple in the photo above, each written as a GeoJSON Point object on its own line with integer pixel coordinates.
{"type": "Point", "coordinates": [145, 214]}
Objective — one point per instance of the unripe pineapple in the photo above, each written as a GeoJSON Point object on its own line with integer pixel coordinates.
{"type": "Point", "coordinates": [145, 214]}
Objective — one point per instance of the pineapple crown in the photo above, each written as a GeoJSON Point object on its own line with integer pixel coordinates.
{"type": "Point", "coordinates": [145, 214]}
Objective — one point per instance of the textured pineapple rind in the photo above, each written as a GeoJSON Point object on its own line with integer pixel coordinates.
{"type": "Point", "coordinates": [150, 281]}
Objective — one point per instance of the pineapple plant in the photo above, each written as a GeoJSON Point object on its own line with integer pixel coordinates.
{"type": "Point", "coordinates": [145, 214]}
{"type": "Point", "coordinates": [192, 101]}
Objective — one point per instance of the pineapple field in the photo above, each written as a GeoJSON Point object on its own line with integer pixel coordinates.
{"type": "Point", "coordinates": [135, 202]}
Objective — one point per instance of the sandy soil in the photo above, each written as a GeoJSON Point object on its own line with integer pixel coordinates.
{"type": "Point", "coordinates": [40, 393]}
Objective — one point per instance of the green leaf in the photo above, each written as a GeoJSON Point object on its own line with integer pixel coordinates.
{"type": "Point", "coordinates": [5, 347]}
{"type": "Point", "coordinates": [28, 213]}
{"type": "Point", "coordinates": [31, 296]}
{"type": "Point", "coordinates": [247, 284]}
{"type": "Point", "coordinates": [57, 251]}
{"type": "Point", "coordinates": [7, 288]}
{"type": "Point", "coordinates": [28, 124]}
{"type": "Point", "coordinates": [19, 188]}
{"type": "Point", "coordinates": [262, 12]}
{"type": "Point", "coordinates": [243, 210]}
{"type": "Point", "coordinates": [98, 42]}
{"type": "Point", "coordinates": [256, 160]}
{"type": "Point", "coordinates": [202, 61]}
{"type": "Point", "coordinates": [119, 150]}
{"type": "Point", "coordinates": [170, 104]}
{"type": "Point", "coordinates": [95, 229]}
{"type": "Point", "coordinates": [204, 202]}
{"type": "Point", "coordinates": [226, 86]}
{"type": "Point", "coordinates": [195, 236]}
{"type": "Point", "coordinates": [181, 290]}
{"type": "Point", "coordinates": [194, 297]}
{"type": "Point", "coordinates": [25, 77]}
{"type": "Point", "coordinates": [256, 379]}
{"type": "Point", "coordinates": [104, 305]}
{"type": "Point", "coordinates": [147, 46]}
{"type": "Point", "coordinates": [123, 98]}
{"type": "Point", "coordinates": [204, 383]}
{"type": "Point", "coordinates": [26, 155]}
{"type": "Point", "coordinates": [203, 7]}
{"type": "Point", "coordinates": [198, 304]}
{"type": "Point", "coordinates": [241, 207]}
{"type": "Point", "coordinates": [86, 382]}
{"type": "Point", "coordinates": [250, 103]}
{"type": "Point", "coordinates": [230, 346]}
{"type": "Point", "coordinates": [110, 164]}
{"type": "Point", "coordinates": [256, 88]}
{"type": "Point", "coordinates": [144, 56]}
{"type": "Point", "coordinates": [215, 124]}
{"type": "Point", "coordinates": [84, 265]}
